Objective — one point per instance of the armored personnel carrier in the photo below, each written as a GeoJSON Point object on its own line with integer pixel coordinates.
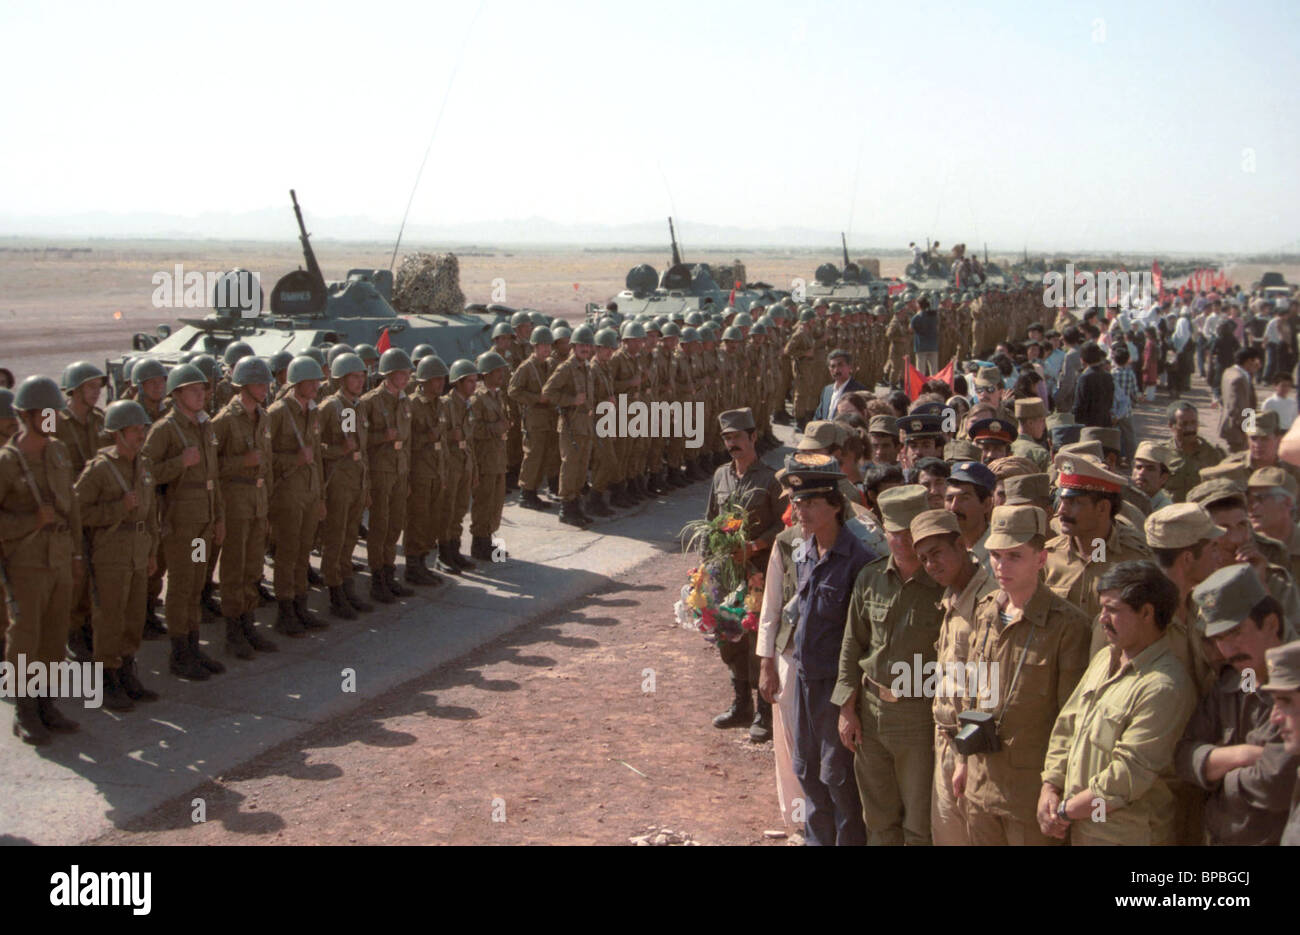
{"type": "Point", "coordinates": [850, 284]}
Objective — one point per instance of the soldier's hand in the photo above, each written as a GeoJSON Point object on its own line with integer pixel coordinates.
{"type": "Point", "coordinates": [45, 515]}
{"type": "Point", "coordinates": [543, 401]}
{"type": "Point", "coordinates": [349, 443]}
{"type": "Point", "coordinates": [390, 434]}
{"type": "Point", "coordinates": [190, 456]}
{"type": "Point", "coordinates": [769, 680]}
{"type": "Point", "coordinates": [849, 726]}
{"type": "Point", "coordinates": [305, 455]}
{"type": "Point", "coordinates": [153, 566]}
{"type": "Point", "coordinates": [959, 779]}
{"type": "Point", "coordinates": [219, 532]}
{"type": "Point", "coordinates": [580, 399]}
{"type": "Point", "coordinates": [131, 500]}
{"type": "Point", "coordinates": [252, 458]}
{"type": "Point", "coordinates": [1251, 553]}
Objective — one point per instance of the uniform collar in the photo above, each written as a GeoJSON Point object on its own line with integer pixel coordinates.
{"type": "Point", "coordinates": [1144, 661]}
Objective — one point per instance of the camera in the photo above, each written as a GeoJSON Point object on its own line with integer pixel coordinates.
{"type": "Point", "coordinates": [978, 733]}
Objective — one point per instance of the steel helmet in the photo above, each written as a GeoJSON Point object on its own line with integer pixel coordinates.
{"type": "Point", "coordinates": [147, 368]}
{"type": "Point", "coordinates": [541, 335]}
{"type": "Point", "coordinates": [461, 369]}
{"type": "Point", "coordinates": [654, 326]}
{"type": "Point", "coordinates": [336, 351]}
{"type": "Point", "coordinates": [743, 320]}
{"type": "Point", "coordinates": [236, 352]}
{"type": "Point", "coordinates": [561, 332]}
{"type": "Point", "coordinates": [38, 393]}
{"type": "Point", "coordinates": [250, 370]}
{"type": "Point", "coordinates": [502, 329]}
{"type": "Point", "coordinates": [345, 364]}
{"type": "Point", "coordinates": [517, 319]}
{"type": "Point", "coordinates": [539, 318]}
{"type": "Point", "coordinates": [759, 328]}
{"type": "Point", "coordinates": [489, 361]}
{"type": "Point", "coordinates": [583, 335]}
{"type": "Point", "coordinates": [695, 319]}
{"type": "Point", "coordinates": [315, 353]}
{"type": "Point", "coordinates": [607, 337]}
{"type": "Point", "coordinates": [733, 334]}
{"type": "Point", "coordinates": [393, 360]}
{"type": "Point", "coordinates": [280, 360]}
{"type": "Point", "coordinates": [807, 315]}
{"type": "Point", "coordinates": [367, 352]}
{"type": "Point", "coordinates": [421, 351]}
{"type": "Point", "coordinates": [689, 335]}
{"type": "Point", "coordinates": [303, 368]}
{"type": "Point", "coordinates": [207, 365]}
{"type": "Point", "coordinates": [430, 368]}
{"type": "Point", "coordinates": [184, 375]}
{"type": "Point", "coordinates": [83, 371]}
{"type": "Point", "coordinates": [123, 414]}
{"type": "Point", "coordinates": [633, 330]}
{"type": "Point", "coordinates": [670, 330]}
{"type": "Point", "coordinates": [766, 321]}
{"type": "Point", "coordinates": [7, 410]}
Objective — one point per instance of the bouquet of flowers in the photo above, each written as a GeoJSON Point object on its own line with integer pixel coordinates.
{"type": "Point", "coordinates": [718, 599]}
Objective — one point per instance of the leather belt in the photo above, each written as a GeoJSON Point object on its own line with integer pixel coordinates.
{"type": "Point", "coordinates": [250, 481]}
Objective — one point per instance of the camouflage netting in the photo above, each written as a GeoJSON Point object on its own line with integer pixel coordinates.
{"type": "Point", "coordinates": [728, 274]}
{"type": "Point", "coordinates": [428, 284]}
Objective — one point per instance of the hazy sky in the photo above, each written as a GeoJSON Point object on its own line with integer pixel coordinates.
{"type": "Point", "coordinates": [1131, 125]}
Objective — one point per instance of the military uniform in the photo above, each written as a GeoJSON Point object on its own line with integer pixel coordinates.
{"type": "Point", "coordinates": [460, 470]}
{"type": "Point", "coordinates": [490, 427]}
{"type": "Point", "coordinates": [540, 441]}
{"type": "Point", "coordinates": [82, 438]}
{"type": "Point", "coordinates": [389, 472]}
{"type": "Point", "coordinates": [426, 512]}
{"type": "Point", "coordinates": [577, 430]}
{"type": "Point", "coordinates": [297, 495]}
{"type": "Point", "coordinates": [347, 487]}
{"type": "Point", "coordinates": [245, 491]}
{"type": "Point", "coordinates": [1185, 467]}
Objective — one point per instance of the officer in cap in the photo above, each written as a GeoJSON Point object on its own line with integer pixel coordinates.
{"type": "Point", "coordinates": [994, 438]}
{"type": "Point", "coordinates": [387, 411]}
{"type": "Point", "coordinates": [182, 449]}
{"type": "Point", "coordinates": [1027, 490]}
{"type": "Point", "coordinates": [571, 389]}
{"type": "Point", "coordinates": [541, 457]}
{"type": "Point", "coordinates": [491, 425]}
{"type": "Point", "coordinates": [922, 436]}
{"type": "Point", "coordinates": [243, 432]}
{"type": "Point", "coordinates": [115, 494]}
{"type": "Point", "coordinates": [463, 376]}
{"type": "Point", "coordinates": [42, 564]}
{"type": "Point", "coordinates": [882, 431]}
{"type": "Point", "coordinates": [968, 495]}
{"type": "Point", "coordinates": [426, 512]}
{"type": "Point", "coordinates": [1151, 471]}
{"type": "Point", "coordinates": [345, 440]}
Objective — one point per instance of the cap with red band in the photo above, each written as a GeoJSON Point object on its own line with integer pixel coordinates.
{"type": "Point", "coordinates": [1085, 474]}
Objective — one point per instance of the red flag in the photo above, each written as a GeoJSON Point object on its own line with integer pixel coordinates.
{"type": "Point", "coordinates": [897, 287]}
{"type": "Point", "coordinates": [383, 343]}
{"type": "Point", "coordinates": [731, 299]}
{"type": "Point", "coordinates": [946, 373]}
{"type": "Point", "coordinates": [912, 379]}
{"type": "Point", "coordinates": [1157, 277]}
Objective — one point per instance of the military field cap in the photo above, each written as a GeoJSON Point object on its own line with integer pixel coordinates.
{"type": "Point", "coordinates": [1109, 438]}
{"type": "Point", "coordinates": [1154, 451]}
{"type": "Point", "coordinates": [1274, 477]}
{"type": "Point", "coordinates": [1179, 526]}
{"type": "Point", "coordinates": [934, 523]}
{"type": "Point", "coordinates": [1092, 449]}
{"type": "Point", "coordinates": [1035, 326]}
{"type": "Point", "coordinates": [1031, 408]}
{"type": "Point", "coordinates": [1283, 668]}
{"type": "Point", "coordinates": [1011, 526]}
{"type": "Point", "coordinates": [1227, 597]}
{"type": "Point", "coordinates": [989, 376]}
{"type": "Point", "coordinates": [973, 472]}
{"type": "Point", "coordinates": [1082, 474]}
{"type": "Point", "coordinates": [883, 425]}
{"type": "Point", "coordinates": [1265, 423]}
{"type": "Point", "coordinates": [821, 435]}
{"type": "Point", "coordinates": [922, 426]}
{"type": "Point", "coordinates": [959, 449]}
{"type": "Point", "coordinates": [999, 429]}
{"type": "Point", "coordinates": [1012, 466]}
{"type": "Point", "coordinates": [1065, 435]}
{"type": "Point", "coordinates": [736, 420]}
{"type": "Point", "coordinates": [1226, 470]}
{"type": "Point", "coordinates": [1032, 489]}
{"type": "Point", "coordinates": [926, 409]}
{"type": "Point", "coordinates": [1207, 493]}
{"type": "Point", "coordinates": [807, 474]}
{"type": "Point", "coordinates": [900, 505]}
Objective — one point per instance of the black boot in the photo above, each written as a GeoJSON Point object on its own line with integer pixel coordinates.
{"type": "Point", "coordinates": [395, 588]}
{"type": "Point", "coordinates": [595, 505]}
{"type": "Point", "coordinates": [80, 644]}
{"type": "Point", "coordinates": [512, 480]}
{"type": "Point", "coordinates": [287, 622]}
{"type": "Point", "coordinates": [553, 488]}
{"type": "Point", "coordinates": [570, 515]}
{"type": "Point", "coordinates": [308, 618]}
{"type": "Point", "coordinates": [196, 650]}
{"type": "Point", "coordinates": [209, 604]}
{"type": "Point", "coordinates": [464, 563]}
{"type": "Point", "coordinates": [379, 587]}
{"type": "Point", "coordinates": [741, 711]}
{"type": "Point", "coordinates": [677, 477]}
{"type": "Point", "coordinates": [28, 726]}
{"type": "Point", "coordinates": [416, 573]}
{"type": "Point", "coordinates": [314, 579]}
{"type": "Point", "coordinates": [153, 625]}
{"type": "Point", "coordinates": [256, 640]}
{"type": "Point", "coordinates": [183, 663]}
{"type": "Point", "coordinates": [236, 644]}
{"type": "Point", "coordinates": [265, 597]}
{"type": "Point", "coordinates": [115, 696]}
{"type": "Point", "coordinates": [480, 547]}
{"type": "Point", "coordinates": [761, 730]}
{"type": "Point", "coordinates": [618, 496]}
{"type": "Point", "coordinates": [339, 605]}
{"type": "Point", "coordinates": [130, 675]}
{"type": "Point", "coordinates": [350, 592]}
{"type": "Point", "coordinates": [445, 562]}
{"type": "Point", "coordinates": [54, 719]}
{"type": "Point", "coordinates": [658, 483]}
{"type": "Point", "coordinates": [529, 500]}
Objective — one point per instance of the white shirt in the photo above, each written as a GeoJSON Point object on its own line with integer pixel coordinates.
{"type": "Point", "coordinates": [1285, 407]}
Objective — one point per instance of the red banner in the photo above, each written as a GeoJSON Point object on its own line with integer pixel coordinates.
{"type": "Point", "coordinates": [383, 343]}
{"type": "Point", "coordinates": [1157, 277]}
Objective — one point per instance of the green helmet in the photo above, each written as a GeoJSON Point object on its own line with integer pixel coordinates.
{"type": "Point", "coordinates": [517, 319]}
{"type": "Point", "coordinates": [315, 353]}
{"type": "Point", "coordinates": [147, 368]}
{"type": "Point", "coordinates": [280, 360]}
{"type": "Point", "coordinates": [541, 335]}
{"type": "Point", "coordinates": [758, 328]}
{"type": "Point", "coordinates": [83, 371]}
{"type": "Point", "coordinates": [461, 369]}
{"type": "Point", "coordinates": [670, 330]}
{"type": "Point", "coordinates": [489, 361]}
{"type": "Point", "coordinates": [633, 330]}
{"type": "Point", "coordinates": [393, 360]}
{"type": "Point", "coordinates": [38, 393]}
{"type": "Point", "coordinates": [733, 334]}
{"type": "Point", "coordinates": [654, 326]}
{"type": "Point", "coordinates": [561, 332]}
{"type": "Point", "coordinates": [807, 315]}
{"type": "Point", "coordinates": [430, 368]}
{"type": "Point", "coordinates": [539, 318]}
{"type": "Point", "coordinates": [303, 368]}
{"type": "Point", "coordinates": [695, 319]}
{"type": "Point", "coordinates": [708, 332]}
{"type": "Point", "coordinates": [776, 312]}
{"type": "Point", "coordinates": [583, 335]}
{"type": "Point", "coordinates": [184, 375]}
{"type": "Point", "coordinates": [421, 351]}
{"type": "Point", "coordinates": [236, 352]}
{"type": "Point", "coordinates": [606, 322]}
{"type": "Point", "coordinates": [124, 413]}
{"type": "Point", "coordinates": [766, 321]}
{"type": "Point", "coordinates": [503, 330]}
{"type": "Point", "coordinates": [690, 335]}
{"type": "Point", "coordinates": [367, 352]}
{"type": "Point", "coordinates": [345, 364]}
{"type": "Point", "coordinates": [7, 410]}
{"type": "Point", "coordinates": [607, 337]}
{"type": "Point", "coordinates": [835, 308]}
{"type": "Point", "coordinates": [878, 310]}
{"type": "Point", "coordinates": [677, 318]}
{"type": "Point", "coordinates": [251, 370]}
{"type": "Point", "coordinates": [337, 351]}
{"type": "Point", "coordinates": [743, 320]}
{"type": "Point", "coordinates": [207, 365]}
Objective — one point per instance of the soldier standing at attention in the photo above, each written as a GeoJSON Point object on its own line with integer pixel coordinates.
{"type": "Point", "coordinates": [345, 440]}
{"type": "Point", "coordinates": [626, 377]}
{"type": "Point", "coordinates": [387, 411]}
{"type": "Point", "coordinates": [801, 350]}
{"type": "Point", "coordinates": [460, 463]}
{"type": "Point", "coordinates": [297, 497]}
{"type": "Point", "coordinates": [150, 379]}
{"type": "Point", "coordinates": [226, 389]}
{"type": "Point", "coordinates": [571, 389]}
{"type": "Point", "coordinates": [116, 498]}
{"type": "Point", "coordinates": [426, 512]}
{"type": "Point", "coordinates": [604, 455]}
{"type": "Point", "coordinates": [491, 426]}
{"type": "Point", "coordinates": [182, 449]}
{"type": "Point", "coordinates": [537, 415]}
{"type": "Point", "coordinates": [40, 548]}
{"type": "Point", "coordinates": [81, 429]}
{"type": "Point", "coordinates": [243, 435]}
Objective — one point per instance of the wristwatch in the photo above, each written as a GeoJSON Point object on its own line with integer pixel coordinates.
{"type": "Point", "coordinates": [1060, 811]}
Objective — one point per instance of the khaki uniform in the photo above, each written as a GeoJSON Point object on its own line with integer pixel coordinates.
{"type": "Point", "coordinates": [892, 621]}
{"type": "Point", "coordinates": [347, 484]}
{"type": "Point", "coordinates": [223, 394]}
{"type": "Point", "coordinates": [684, 390]}
{"type": "Point", "coordinates": [577, 429]}
{"type": "Point", "coordinates": [625, 380]}
{"type": "Point", "coordinates": [83, 438]}
{"type": "Point", "coordinates": [192, 506]}
{"type": "Point", "coordinates": [246, 494]}
{"type": "Point", "coordinates": [122, 542]}
{"type": "Point", "coordinates": [297, 494]}
{"type": "Point", "coordinates": [899, 336]}
{"type": "Point", "coordinates": [1185, 469]}
{"type": "Point", "coordinates": [490, 428]}
{"type": "Point", "coordinates": [1074, 577]}
{"type": "Point", "coordinates": [37, 560]}
{"type": "Point", "coordinates": [604, 449]}
{"type": "Point", "coordinates": [1028, 448]}
{"type": "Point", "coordinates": [540, 440]}
{"type": "Point", "coordinates": [426, 514]}
{"type": "Point", "coordinates": [389, 469]}
{"type": "Point", "coordinates": [1051, 637]}
{"type": "Point", "coordinates": [661, 371]}
{"type": "Point", "coordinates": [1115, 737]}
{"type": "Point", "coordinates": [460, 466]}
{"type": "Point", "coordinates": [809, 371]}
